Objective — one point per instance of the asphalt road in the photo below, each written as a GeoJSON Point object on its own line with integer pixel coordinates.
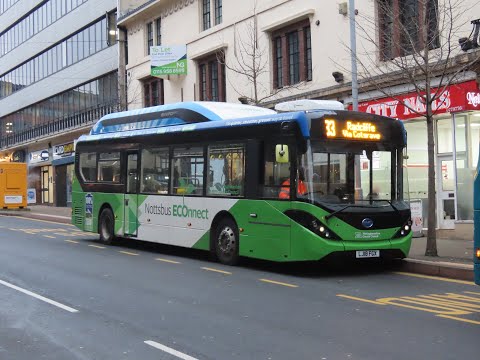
{"type": "Point", "coordinates": [63, 295]}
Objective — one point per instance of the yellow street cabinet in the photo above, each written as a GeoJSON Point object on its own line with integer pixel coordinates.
{"type": "Point", "coordinates": [13, 185]}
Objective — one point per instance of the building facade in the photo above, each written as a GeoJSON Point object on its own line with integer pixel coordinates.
{"type": "Point", "coordinates": [58, 76]}
{"type": "Point", "coordinates": [59, 61]}
{"type": "Point", "coordinates": [269, 51]}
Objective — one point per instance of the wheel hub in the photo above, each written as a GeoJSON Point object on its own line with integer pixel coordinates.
{"type": "Point", "coordinates": [226, 240]}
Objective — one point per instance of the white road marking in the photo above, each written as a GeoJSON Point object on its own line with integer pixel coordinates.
{"type": "Point", "coordinates": [170, 351]}
{"type": "Point", "coordinates": [39, 297]}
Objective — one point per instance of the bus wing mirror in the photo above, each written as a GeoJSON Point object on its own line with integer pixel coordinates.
{"type": "Point", "coordinates": [281, 153]}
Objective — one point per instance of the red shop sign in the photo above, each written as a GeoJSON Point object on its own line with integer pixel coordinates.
{"type": "Point", "coordinates": [455, 98]}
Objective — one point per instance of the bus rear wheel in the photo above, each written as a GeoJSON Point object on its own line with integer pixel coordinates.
{"type": "Point", "coordinates": [226, 242]}
{"type": "Point", "coordinates": [106, 226]}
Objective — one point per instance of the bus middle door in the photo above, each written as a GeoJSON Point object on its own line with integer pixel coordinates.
{"type": "Point", "coordinates": [131, 195]}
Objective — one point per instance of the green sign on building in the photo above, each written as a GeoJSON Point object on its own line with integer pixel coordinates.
{"type": "Point", "coordinates": [168, 60]}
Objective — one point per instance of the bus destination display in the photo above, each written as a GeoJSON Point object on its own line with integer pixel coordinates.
{"type": "Point", "coordinates": [355, 130]}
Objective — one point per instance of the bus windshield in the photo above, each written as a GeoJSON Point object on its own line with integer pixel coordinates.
{"type": "Point", "coordinates": [344, 175]}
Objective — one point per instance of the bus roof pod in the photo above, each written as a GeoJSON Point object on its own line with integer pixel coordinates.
{"type": "Point", "coordinates": [309, 105]}
{"type": "Point", "coordinates": [175, 114]}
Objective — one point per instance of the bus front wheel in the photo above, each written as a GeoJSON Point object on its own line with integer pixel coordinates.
{"type": "Point", "coordinates": [106, 226]}
{"type": "Point", "coordinates": [226, 242]}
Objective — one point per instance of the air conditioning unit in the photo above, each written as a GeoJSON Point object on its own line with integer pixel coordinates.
{"type": "Point", "coordinates": [304, 105]}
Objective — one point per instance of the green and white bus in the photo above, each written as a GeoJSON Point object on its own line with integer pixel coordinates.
{"type": "Point", "coordinates": [239, 180]}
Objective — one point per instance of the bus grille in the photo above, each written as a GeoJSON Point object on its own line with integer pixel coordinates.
{"type": "Point", "coordinates": [77, 211]}
{"type": "Point", "coordinates": [78, 220]}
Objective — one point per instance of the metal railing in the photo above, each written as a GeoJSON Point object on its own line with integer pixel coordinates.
{"type": "Point", "coordinates": [70, 122]}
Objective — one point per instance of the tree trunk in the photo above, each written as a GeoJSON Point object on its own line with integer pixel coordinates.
{"type": "Point", "coordinates": [431, 249]}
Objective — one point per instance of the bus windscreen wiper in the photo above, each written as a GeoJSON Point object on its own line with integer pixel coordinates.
{"type": "Point", "coordinates": [393, 207]}
{"type": "Point", "coordinates": [346, 207]}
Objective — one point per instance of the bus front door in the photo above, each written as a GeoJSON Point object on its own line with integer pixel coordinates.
{"type": "Point", "coordinates": [131, 196]}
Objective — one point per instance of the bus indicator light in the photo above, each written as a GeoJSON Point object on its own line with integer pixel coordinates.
{"type": "Point", "coordinates": [477, 253]}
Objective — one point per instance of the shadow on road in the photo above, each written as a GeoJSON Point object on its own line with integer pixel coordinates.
{"type": "Point", "coordinates": [338, 267]}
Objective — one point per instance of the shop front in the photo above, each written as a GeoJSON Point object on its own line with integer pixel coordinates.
{"type": "Point", "coordinates": [63, 161]}
{"type": "Point", "coordinates": [40, 175]}
{"type": "Point", "coordinates": [457, 136]}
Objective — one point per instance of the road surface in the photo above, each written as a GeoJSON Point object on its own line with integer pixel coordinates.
{"type": "Point", "coordinates": [64, 295]}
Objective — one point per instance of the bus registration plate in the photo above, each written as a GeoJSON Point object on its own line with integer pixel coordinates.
{"type": "Point", "coordinates": [368, 254]}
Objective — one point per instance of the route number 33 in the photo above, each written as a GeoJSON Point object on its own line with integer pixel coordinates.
{"type": "Point", "coordinates": [330, 128]}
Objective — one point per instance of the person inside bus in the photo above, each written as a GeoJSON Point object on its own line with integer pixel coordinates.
{"type": "Point", "coordinates": [301, 187]}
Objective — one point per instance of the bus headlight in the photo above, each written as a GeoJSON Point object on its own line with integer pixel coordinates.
{"type": "Point", "coordinates": [477, 253]}
{"type": "Point", "coordinates": [323, 231]}
{"type": "Point", "coordinates": [310, 222]}
{"type": "Point", "coordinates": [404, 230]}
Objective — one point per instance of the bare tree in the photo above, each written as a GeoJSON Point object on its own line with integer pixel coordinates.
{"type": "Point", "coordinates": [130, 90]}
{"type": "Point", "coordinates": [251, 64]}
{"type": "Point", "coordinates": [416, 43]}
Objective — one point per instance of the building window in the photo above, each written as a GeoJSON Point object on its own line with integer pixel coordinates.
{"type": "Point", "coordinates": [212, 79]}
{"type": "Point", "coordinates": [153, 92]}
{"type": "Point", "coordinates": [401, 27]}
{"type": "Point", "coordinates": [149, 36]}
{"type": "Point", "coordinates": [278, 63]}
{"type": "Point", "coordinates": [206, 14]}
{"type": "Point", "coordinates": [218, 12]}
{"type": "Point", "coordinates": [158, 29]}
{"type": "Point", "coordinates": [308, 52]}
{"type": "Point", "coordinates": [292, 55]}
{"type": "Point", "coordinates": [57, 57]}
{"type": "Point", "coordinates": [211, 9]}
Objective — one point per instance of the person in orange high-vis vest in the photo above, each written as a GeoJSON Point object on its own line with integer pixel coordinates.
{"type": "Point", "coordinates": [285, 189]}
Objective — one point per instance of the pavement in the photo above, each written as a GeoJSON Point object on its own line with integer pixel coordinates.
{"type": "Point", "coordinates": [454, 260]}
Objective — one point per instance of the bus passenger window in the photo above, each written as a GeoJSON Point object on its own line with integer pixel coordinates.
{"type": "Point", "coordinates": [226, 174]}
{"type": "Point", "coordinates": [109, 167]}
{"type": "Point", "coordinates": [154, 171]}
{"type": "Point", "coordinates": [88, 166]}
{"type": "Point", "coordinates": [187, 168]}
{"type": "Point", "coordinates": [275, 174]}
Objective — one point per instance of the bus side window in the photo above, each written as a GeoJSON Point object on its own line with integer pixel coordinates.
{"type": "Point", "coordinates": [276, 174]}
{"type": "Point", "coordinates": [88, 166]}
{"type": "Point", "coordinates": [226, 164]}
{"type": "Point", "coordinates": [187, 170]}
{"type": "Point", "coordinates": [154, 171]}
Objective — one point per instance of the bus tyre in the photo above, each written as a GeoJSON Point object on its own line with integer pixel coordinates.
{"type": "Point", "coordinates": [226, 242]}
{"type": "Point", "coordinates": [106, 226]}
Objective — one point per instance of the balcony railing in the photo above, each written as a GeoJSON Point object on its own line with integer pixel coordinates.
{"type": "Point", "coordinates": [71, 122]}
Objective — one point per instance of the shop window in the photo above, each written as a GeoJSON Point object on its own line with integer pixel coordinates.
{"type": "Point", "coordinates": [226, 174]}
{"type": "Point", "coordinates": [109, 167]}
{"type": "Point", "coordinates": [292, 54]}
{"type": "Point", "coordinates": [88, 166]}
{"type": "Point", "coordinates": [188, 168]}
{"type": "Point", "coordinates": [467, 130]}
{"type": "Point", "coordinates": [444, 136]}
{"type": "Point", "coordinates": [155, 171]}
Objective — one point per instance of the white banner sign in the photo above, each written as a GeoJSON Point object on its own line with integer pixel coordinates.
{"type": "Point", "coordinates": [39, 156]}
{"type": "Point", "coordinates": [168, 60]}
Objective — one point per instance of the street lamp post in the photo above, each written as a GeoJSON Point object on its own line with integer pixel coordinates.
{"type": "Point", "coordinates": [353, 53]}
